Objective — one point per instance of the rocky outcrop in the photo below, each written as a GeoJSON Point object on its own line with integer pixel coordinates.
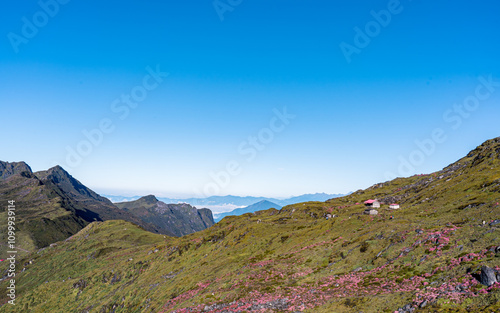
{"type": "Point", "coordinates": [94, 207]}
{"type": "Point", "coordinates": [488, 276]}
{"type": "Point", "coordinates": [178, 219]}
{"type": "Point", "coordinates": [8, 169]}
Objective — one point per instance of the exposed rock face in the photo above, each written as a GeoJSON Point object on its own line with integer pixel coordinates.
{"type": "Point", "coordinates": [179, 219]}
{"type": "Point", "coordinates": [406, 309]}
{"type": "Point", "coordinates": [57, 175]}
{"type": "Point", "coordinates": [206, 216]}
{"type": "Point", "coordinates": [495, 222]}
{"type": "Point", "coordinates": [8, 169]}
{"type": "Point", "coordinates": [96, 208]}
{"type": "Point", "coordinates": [488, 276]}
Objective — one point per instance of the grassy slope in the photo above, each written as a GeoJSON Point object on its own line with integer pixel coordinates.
{"type": "Point", "coordinates": [43, 215]}
{"type": "Point", "coordinates": [350, 263]}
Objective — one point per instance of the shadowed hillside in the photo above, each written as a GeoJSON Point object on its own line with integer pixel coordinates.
{"type": "Point", "coordinates": [177, 219]}
{"type": "Point", "coordinates": [51, 206]}
{"type": "Point", "coordinates": [96, 207]}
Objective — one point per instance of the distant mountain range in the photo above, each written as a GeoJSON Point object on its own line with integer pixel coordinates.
{"type": "Point", "coordinates": [235, 201]}
{"type": "Point", "coordinates": [179, 219]}
{"type": "Point", "coordinates": [259, 206]}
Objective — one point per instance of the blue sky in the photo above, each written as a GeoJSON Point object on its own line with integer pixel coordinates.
{"type": "Point", "coordinates": [356, 122]}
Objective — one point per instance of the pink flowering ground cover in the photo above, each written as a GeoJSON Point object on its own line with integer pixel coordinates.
{"type": "Point", "coordinates": [267, 282]}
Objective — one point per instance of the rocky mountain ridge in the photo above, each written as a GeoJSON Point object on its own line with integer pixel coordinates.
{"type": "Point", "coordinates": [179, 219]}
{"type": "Point", "coordinates": [52, 205]}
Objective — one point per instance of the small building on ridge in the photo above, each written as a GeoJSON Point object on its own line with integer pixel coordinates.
{"type": "Point", "coordinates": [372, 203]}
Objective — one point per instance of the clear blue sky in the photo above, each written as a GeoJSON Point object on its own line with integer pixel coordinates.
{"type": "Point", "coordinates": [354, 121]}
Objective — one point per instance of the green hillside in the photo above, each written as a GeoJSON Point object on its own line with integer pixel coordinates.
{"type": "Point", "coordinates": [425, 256]}
{"type": "Point", "coordinates": [44, 214]}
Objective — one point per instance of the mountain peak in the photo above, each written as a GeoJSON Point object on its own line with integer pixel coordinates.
{"type": "Point", "coordinates": [488, 151]}
{"type": "Point", "coordinates": [60, 170]}
{"type": "Point", "coordinates": [56, 172]}
{"type": "Point", "coordinates": [265, 202]}
{"type": "Point", "coordinates": [492, 145]}
{"type": "Point", "coordinates": [149, 199]}
{"type": "Point", "coordinates": [8, 169]}
{"type": "Point", "coordinates": [60, 177]}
